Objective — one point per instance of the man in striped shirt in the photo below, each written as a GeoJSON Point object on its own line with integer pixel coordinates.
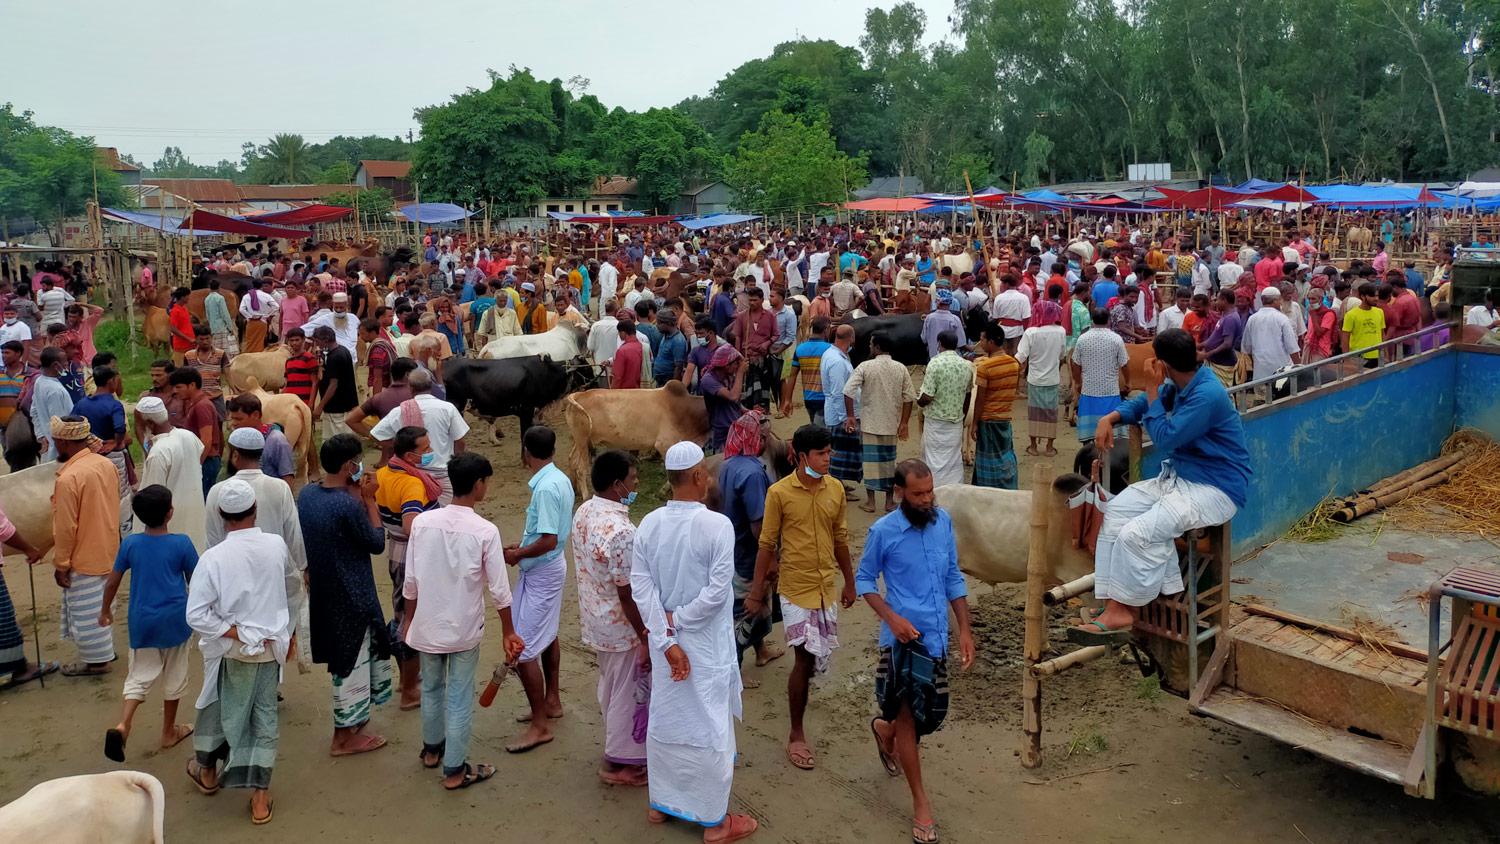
{"type": "Point", "coordinates": [996, 376]}
{"type": "Point", "coordinates": [301, 367]}
{"type": "Point", "coordinates": [807, 359]}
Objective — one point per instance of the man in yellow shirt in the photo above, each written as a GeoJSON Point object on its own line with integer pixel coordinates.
{"type": "Point", "coordinates": [1364, 326]}
{"type": "Point", "coordinates": [805, 515]}
{"type": "Point", "coordinates": [86, 532]}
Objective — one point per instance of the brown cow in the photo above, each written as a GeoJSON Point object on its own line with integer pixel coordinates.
{"type": "Point", "coordinates": [1138, 372]}
{"type": "Point", "coordinates": [635, 420]}
{"type": "Point", "coordinates": [295, 419]}
{"type": "Point", "coordinates": [266, 369]}
{"type": "Point", "coordinates": [195, 299]}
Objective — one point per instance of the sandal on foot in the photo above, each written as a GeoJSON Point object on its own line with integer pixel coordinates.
{"type": "Point", "coordinates": [924, 833]}
{"type": "Point", "coordinates": [435, 751]}
{"type": "Point", "coordinates": [36, 673]}
{"type": "Point", "coordinates": [83, 669]}
{"type": "Point", "coordinates": [114, 745]}
{"type": "Point", "coordinates": [737, 828]}
{"type": "Point", "coordinates": [270, 813]}
{"type": "Point", "coordinates": [472, 774]}
{"type": "Point", "coordinates": [195, 773]}
{"type": "Point", "coordinates": [1102, 636]}
{"type": "Point", "coordinates": [800, 755]}
{"type": "Point", "coordinates": [886, 759]}
{"type": "Point", "coordinates": [367, 743]}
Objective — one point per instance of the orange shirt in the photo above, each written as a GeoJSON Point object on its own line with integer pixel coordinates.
{"type": "Point", "coordinates": [86, 514]}
{"type": "Point", "coordinates": [996, 379]}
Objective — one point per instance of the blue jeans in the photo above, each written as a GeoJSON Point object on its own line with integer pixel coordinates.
{"type": "Point", "coordinates": [448, 706]}
{"type": "Point", "coordinates": [211, 468]}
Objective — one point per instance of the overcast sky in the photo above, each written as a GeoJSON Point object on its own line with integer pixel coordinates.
{"type": "Point", "coordinates": [207, 76]}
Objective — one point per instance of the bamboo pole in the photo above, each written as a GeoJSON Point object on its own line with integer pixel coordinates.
{"type": "Point", "coordinates": [1036, 621]}
{"type": "Point", "coordinates": [1415, 473]}
{"type": "Point", "coordinates": [1071, 589]}
{"type": "Point", "coordinates": [1369, 504]}
{"type": "Point", "coordinates": [1068, 660]}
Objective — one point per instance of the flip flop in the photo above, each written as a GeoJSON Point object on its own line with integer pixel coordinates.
{"type": "Point", "coordinates": [195, 773]}
{"type": "Point", "coordinates": [885, 758]}
{"type": "Point", "coordinates": [807, 763]}
{"type": "Point", "coordinates": [1103, 636]}
{"type": "Point", "coordinates": [739, 828]}
{"type": "Point", "coordinates": [114, 745]}
{"type": "Point", "coordinates": [370, 743]}
{"type": "Point", "coordinates": [472, 775]}
{"type": "Point", "coordinates": [181, 736]}
{"type": "Point", "coordinates": [82, 669]}
{"type": "Point", "coordinates": [270, 813]}
{"type": "Point", "coordinates": [34, 674]}
{"type": "Point", "coordinates": [924, 833]}
{"type": "Point", "coordinates": [524, 748]}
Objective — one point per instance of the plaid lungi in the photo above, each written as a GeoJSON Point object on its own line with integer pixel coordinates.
{"type": "Point", "coordinates": [897, 686]}
{"type": "Point", "coordinates": [1090, 410]}
{"type": "Point", "coordinates": [762, 377]}
{"type": "Point", "coordinates": [880, 460]}
{"type": "Point", "coordinates": [225, 341]}
{"type": "Point", "coordinates": [1041, 411]}
{"type": "Point", "coordinates": [240, 728]}
{"type": "Point", "coordinates": [995, 456]}
{"type": "Point", "coordinates": [847, 463]}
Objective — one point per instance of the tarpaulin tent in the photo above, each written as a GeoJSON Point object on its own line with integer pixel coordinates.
{"type": "Point", "coordinates": [155, 222]}
{"type": "Point", "coordinates": [1213, 198]}
{"type": "Point", "coordinates": [433, 212]}
{"type": "Point", "coordinates": [201, 220]}
{"type": "Point", "coordinates": [1256, 185]}
{"type": "Point", "coordinates": [947, 207]}
{"type": "Point", "coordinates": [955, 197]}
{"type": "Point", "coordinates": [569, 216]}
{"type": "Point", "coordinates": [302, 216]}
{"type": "Point", "coordinates": [622, 221]}
{"type": "Point", "coordinates": [888, 204]}
{"type": "Point", "coordinates": [713, 220]}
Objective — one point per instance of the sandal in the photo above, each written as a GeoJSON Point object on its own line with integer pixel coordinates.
{"type": "Point", "coordinates": [736, 828]}
{"type": "Point", "coordinates": [924, 833]}
{"type": "Point", "coordinates": [1102, 636]}
{"type": "Point", "coordinates": [886, 759]}
{"type": "Point", "coordinates": [114, 745]}
{"type": "Point", "coordinates": [472, 775]}
{"type": "Point", "coordinates": [800, 755]}
{"type": "Point", "coordinates": [36, 673]}
{"type": "Point", "coordinates": [435, 751]}
{"type": "Point", "coordinates": [195, 773]}
{"type": "Point", "coordinates": [270, 812]}
{"type": "Point", "coordinates": [83, 669]}
{"type": "Point", "coordinates": [367, 744]}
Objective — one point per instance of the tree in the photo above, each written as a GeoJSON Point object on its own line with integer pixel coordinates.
{"type": "Point", "coordinates": [48, 174]}
{"type": "Point", "coordinates": [789, 164]}
{"type": "Point", "coordinates": [664, 150]}
{"type": "Point", "coordinates": [284, 160]}
{"type": "Point", "coordinates": [337, 173]}
{"type": "Point", "coordinates": [373, 202]}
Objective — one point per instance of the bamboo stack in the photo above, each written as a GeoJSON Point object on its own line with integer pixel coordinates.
{"type": "Point", "coordinates": [1402, 485]}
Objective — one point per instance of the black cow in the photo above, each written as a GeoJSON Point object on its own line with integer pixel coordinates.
{"type": "Point", "coordinates": [1119, 461]}
{"type": "Point", "coordinates": [516, 387]}
{"type": "Point", "coordinates": [904, 332]}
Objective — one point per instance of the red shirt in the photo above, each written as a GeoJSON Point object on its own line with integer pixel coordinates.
{"type": "Point", "coordinates": [1267, 269]}
{"type": "Point", "coordinates": [203, 415]}
{"type": "Point", "coordinates": [627, 365]}
{"type": "Point", "coordinates": [301, 376]}
{"type": "Point", "coordinates": [1322, 324]}
{"type": "Point", "coordinates": [1403, 315]}
{"type": "Point", "coordinates": [181, 321]}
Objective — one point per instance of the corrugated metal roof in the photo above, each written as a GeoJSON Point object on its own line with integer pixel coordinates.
{"type": "Point", "coordinates": [110, 157]}
{"type": "Point", "coordinates": [302, 193]}
{"type": "Point", "coordinates": [379, 169]}
{"type": "Point", "coordinates": [615, 186]}
{"type": "Point", "coordinates": [199, 190]}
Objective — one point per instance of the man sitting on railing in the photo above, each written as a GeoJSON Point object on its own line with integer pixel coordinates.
{"type": "Point", "coordinates": [1205, 472]}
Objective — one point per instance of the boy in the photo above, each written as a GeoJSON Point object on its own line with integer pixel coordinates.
{"type": "Point", "coordinates": [161, 564]}
{"type": "Point", "coordinates": [1364, 326]}
{"type": "Point", "coordinates": [301, 366]}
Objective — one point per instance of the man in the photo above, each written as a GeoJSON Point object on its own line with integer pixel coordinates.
{"type": "Point", "coordinates": [86, 535]}
{"type": "Point", "coordinates": [384, 402]}
{"type": "Point", "coordinates": [1222, 348]}
{"type": "Point", "coordinates": [221, 325]}
{"type": "Point", "coordinates": [607, 615]}
{"type": "Point", "coordinates": [49, 398]}
{"type": "Point", "coordinates": [1123, 319]}
{"type": "Point", "coordinates": [210, 361]}
{"type": "Point", "coordinates": [845, 295]}
{"type": "Point", "coordinates": [625, 369]}
{"type": "Point", "coordinates": [14, 329]}
{"type": "Point", "coordinates": [53, 301]}
{"type": "Point", "coordinates": [1405, 313]}
{"type": "Point", "coordinates": [277, 460]}
{"type": "Point", "coordinates": [106, 416]}
{"type": "Point", "coordinates": [174, 460]}
{"type": "Point", "coordinates": [885, 395]}
{"type": "Point", "coordinates": [457, 559]}
{"type": "Point", "coordinates": [161, 388]}
{"type": "Point", "coordinates": [338, 320]}
{"type": "Point", "coordinates": [997, 375]}
{"type": "Point", "coordinates": [609, 285]}
{"type": "Point", "coordinates": [245, 631]}
{"type": "Point", "coordinates": [847, 462]}
{"type": "Point", "coordinates": [1106, 288]}
{"type": "Point", "coordinates": [752, 332]}
{"type": "Point", "coordinates": [336, 394]}
{"type": "Point", "coordinates": [1011, 309]}
{"type": "Point", "coordinates": [682, 562]}
{"type": "Point", "coordinates": [1173, 317]}
{"type": "Point", "coordinates": [538, 604]}
{"type": "Point", "coordinates": [259, 310]}
{"type": "Point", "coordinates": [200, 418]}
{"type": "Point", "coordinates": [1363, 328]}
{"type": "Point", "coordinates": [15, 378]}
{"type": "Point", "coordinates": [805, 516]}
{"type": "Point", "coordinates": [1101, 356]}
{"type": "Point", "coordinates": [380, 353]}
{"type": "Point", "coordinates": [915, 552]}
{"type": "Point", "coordinates": [807, 361]}
{"type": "Point", "coordinates": [942, 320]}
{"type": "Point", "coordinates": [1268, 339]}
{"type": "Point", "coordinates": [303, 366]}
{"type": "Point", "coordinates": [786, 337]}
{"type": "Point", "coordinates": [180, 324]}
{"type": "Point", "coordinates": [668, 363]}
{"type": "Point", "coordinates": [944, 400]}
{"type": "Point", "coordinates": [293, 309]}
{"type": "Point", "coordinates": [1203, 482]}
{"type": "Point", "coordinates": [743, 484]}
{"type": "Point", "coordinates": [405, 490]}
{"type": "Point", "coordinates": [341, 522]}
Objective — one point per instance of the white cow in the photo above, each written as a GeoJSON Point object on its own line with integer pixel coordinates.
{"type": "Point", "coordinates": [562, 343]}
{"type": "Point", "coordinates": [119, 807]}
{"type": "Point", "coordinates": [26, 498]}
{"type": "Point", "coordinates": [993, 528]}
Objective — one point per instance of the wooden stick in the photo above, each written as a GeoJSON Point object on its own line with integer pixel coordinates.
{"type": "Point", "coordinates": [1069, 660]}
{"type": "Point", "coordinates": [1113, 767]}
{"type": "Point", "coordinates": [1071, 589]}
{"type": "Point", "coordinates": [1370, 504]}
{"type": "Point", "coordinates": [1036, 622]}
{"type": "Point", "coordinates": [1397, 648]}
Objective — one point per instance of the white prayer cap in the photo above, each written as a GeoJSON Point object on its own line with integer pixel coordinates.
{"type": "Point", "coordinates": [152, 408]}
{"type": "Point", "coordinates": [684, 455]}
{"type": "Point", "coordinates": [236, 496]}
{"type": "Point", "coordinates": [528, 287]}
{"type": "Point", "coordinates": [247, 439]}
{"type": "Point", "coordinates": [1269, 294]}
{"type": "Point", "coordinates": [341, 297]}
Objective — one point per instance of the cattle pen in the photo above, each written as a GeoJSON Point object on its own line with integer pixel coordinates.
{"type": "Point", "coordinates": [1374, 645]}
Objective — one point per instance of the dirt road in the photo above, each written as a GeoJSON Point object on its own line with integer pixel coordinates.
{"type": "Point", "coordinates": [1123, 761]}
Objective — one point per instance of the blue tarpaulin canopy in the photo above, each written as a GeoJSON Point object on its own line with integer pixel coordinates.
{"type": "Point", "coordinates": [568, 215]}
{"type": "Point", "coordinates": [714, 220]}
{"type": "Point", "coordinates": [433, 212]}
{"type": "Point", "coordinates": [157, 222]}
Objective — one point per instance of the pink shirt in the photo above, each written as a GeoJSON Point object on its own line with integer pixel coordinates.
{"type": "Point", "coordinates": [293, 313]}
{"type": "Point", "coordinates": [602, 538]}
{"type": "Point", "coordinates": [452, 558]}
{"type": "Point", "coordinates": [85, 332]}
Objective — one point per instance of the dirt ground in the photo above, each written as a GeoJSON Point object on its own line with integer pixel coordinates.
{"type": "Point", "coordinates": [1123, 761]}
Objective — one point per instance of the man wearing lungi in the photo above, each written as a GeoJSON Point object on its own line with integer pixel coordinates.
{"type": "Point", "coordinates": [885, 395]}
{"type": "Point", "coordinates": [86, 535]}
{"type": "Point", "coordinates": [1204, 477]}
{"type": "Point", "coordinates": [847, 463]}
{"type": "Point", "coordinates": [945, 397]}
{"type": "Point", "coordinates": [538, 592]}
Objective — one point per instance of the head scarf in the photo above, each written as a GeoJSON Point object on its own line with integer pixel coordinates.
{"type": "Point", "coordinates": [723, 356]}
{"type": "Point", "coordinates": [1048, 312]}
{"type": "Point", "coordinates": [945, 297]}
{"type": "Point", "coordinates": [745, 435]}
{"type": "Point", "coordinates": [76, 430]}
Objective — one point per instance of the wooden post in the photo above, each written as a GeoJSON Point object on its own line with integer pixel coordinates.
{"type": "Point", "coordinates": [1036, 620]}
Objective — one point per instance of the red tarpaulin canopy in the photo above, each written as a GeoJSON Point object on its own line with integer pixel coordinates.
{"type": "Point", "coordinates": [622, 221]}
{"type": "Point", "coordinates": [304, 216]}
{"type": "Point", "coordinates": [888, 204]}
{"type": "Point", "coordinates": [210, 221]}
{"type": "Point", "coordinates": [1215, 198]}
{"type": "Point", "coordinates": [991, 199]}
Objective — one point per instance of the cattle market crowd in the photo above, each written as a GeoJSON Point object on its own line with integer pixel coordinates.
{"type": "Point", "coordinates": [253, 526]}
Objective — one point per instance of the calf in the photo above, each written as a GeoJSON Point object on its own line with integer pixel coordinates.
{"type": "Point", "coordinates": [121, 807]}
{"type": "Point", "coordinates": [993, 529]}
{"type": "Point", "coordinates": [563, 342]}
{"type": "Point", "coordinates": [634, 420]}
{"type": "Point", "coordinates": [904, 332]}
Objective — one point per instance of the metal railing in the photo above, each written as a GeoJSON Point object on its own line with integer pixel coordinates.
{"type": "Point", "coordinates": [1294, 381]}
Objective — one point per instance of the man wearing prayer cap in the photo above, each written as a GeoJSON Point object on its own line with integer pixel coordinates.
{"type": "Point", "coordinates": [173, 460]}
{"type": "Point", "coordinates": [86, 533]}
{"type": "Point", "coordinates": [681, 574]}
{"type": "Point", "coordinates": [344, 324]}
{"type": "Point", "coordinates": [245, 631]}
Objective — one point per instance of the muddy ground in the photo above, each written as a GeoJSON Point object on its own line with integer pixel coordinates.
{"type": "Point", "coordinates": [1123, 761]}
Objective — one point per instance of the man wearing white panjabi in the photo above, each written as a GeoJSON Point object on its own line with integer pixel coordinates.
{"type": "Point", "coordinates": [681, 574]}
{"type": "Point", "coordinates": [172, 460]}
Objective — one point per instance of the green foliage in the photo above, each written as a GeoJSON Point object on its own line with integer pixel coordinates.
{"type": "Point", "coordinates": [788, 163]}
{"type": "Point", "coordinates": [337, 173]}
{"type": "Point", "coordinates": [49, 174]}
{"type": "Point", "coordinates": [663, 149]}
{"type": "Point", "coordinates": [283, 160]}
{"type": "Point", "coordinates": [174, 165]}
{"type": "Point", "coordinates": [375, 202]}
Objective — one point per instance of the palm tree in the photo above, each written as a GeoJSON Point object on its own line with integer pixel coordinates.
{"type": "Point", "coordinates": [287, 160]}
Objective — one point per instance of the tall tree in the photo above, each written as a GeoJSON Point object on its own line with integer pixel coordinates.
{"type": "Point", "coordinates": [788, 164]}
{"type": "Point", "coordinates": [48, 174]}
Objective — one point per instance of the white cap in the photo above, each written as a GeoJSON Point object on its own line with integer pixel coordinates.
{"type": "Point", "coordinates": [684, 455]}
{"type": "Point", "coordinates": [341, 296]}
{"type": "Point", "coordinates": [248, 439]}
{"type": "Point", "coordinates": [528, 287]}
{"type": "Point", "coordinates": [1270, 293]}
{"type": "Point", "coordinates": [152, 408]}
{"type": "Point", "coordinates": [236, 496]}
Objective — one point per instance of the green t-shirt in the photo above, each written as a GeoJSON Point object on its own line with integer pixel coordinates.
{"type": "Point", "coordinates": [1366, 328]}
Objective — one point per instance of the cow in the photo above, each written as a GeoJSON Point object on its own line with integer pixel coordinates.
{"type": "Point", "coordinates": [121, 807]}
{"type": "Point", "coordinates": [904, 331]}
{"type": "Point", "coordinates": [1138, 374]}
{"type": "Point", "coordinates": [635, 420]}
{"type": "Point", "coordinates": [26, 498]}
{"type": "Point", "coordinates": [267, 368]}
{"type": "Point", "coordinates": [518, 387]}
{"type": "Point", "coordinates": [562, 343]}
{"type": "Point", "coordinates": [1360, 238]}
{"type": "Point", "coordinates": [295, 419]}
{"type": "Point", "coordinates": [195, 299]}
{"type": "Point", "coordinates": [993, 530]}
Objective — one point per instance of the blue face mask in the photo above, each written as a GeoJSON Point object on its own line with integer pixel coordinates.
{"type": "Point", "coordinates": [359, 470]}
{"type": "Point", "coordinates": [812, 473]}
{"type": "Point", "coordinates": [629, 498]}
{"type": "Point", "coordinates": [428, 458]}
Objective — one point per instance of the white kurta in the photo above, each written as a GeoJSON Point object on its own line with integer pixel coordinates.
{"type": "Point", "coordinates": [173, 462]}
{"type": "Point", "coordinates": [275, 513]}
{"type": "Point", "coordinates": [682, 562]}
{"type": "Point", "coordinates": [228, 590]}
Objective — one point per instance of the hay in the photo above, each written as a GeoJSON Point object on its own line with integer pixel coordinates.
{"type": "Point", "coordinates": [1466, 504]}
{"type": "Point", "coordinates": [1318, 525]}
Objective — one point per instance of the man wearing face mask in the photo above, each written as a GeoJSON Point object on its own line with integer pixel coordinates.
{"type": "Point", "coordinates": [743, 484]}
{"type": "Point", "coordinates": [611, 624]}
{"type": "Point", "coordinates": [405, 488]}
{"type": "Point", "coordinates": [341, 520]}
{"type": "Point", "coordinates": [344, 324]}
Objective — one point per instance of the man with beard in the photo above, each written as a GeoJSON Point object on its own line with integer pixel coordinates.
{"type": "Point", "coordinates": [913, 549]}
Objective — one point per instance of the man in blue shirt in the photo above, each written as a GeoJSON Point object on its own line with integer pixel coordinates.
{"type": "Point", "coordinates": [807, 363]}
{"type": "Point", "coordinates": [848, 451]}
{"type": "Point", "coordinates": [671, 353]}
{"type": "Point", "coordinates": [743, 484]}
{"type": "Point", "coordinates": [1105, 288]}
{"type": "Point", "coordinates": [914, 550]}
{"type": "Point", "coordinates": [537, 607]}
{"type": "Point", "coordinates": [106, 417]}
{"type": "Point", "coordinates": [1205, 476]}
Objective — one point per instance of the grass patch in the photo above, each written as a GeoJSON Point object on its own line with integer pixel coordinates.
{"type": "Point", "coordinates": [113, 335]}
{"type": "Point", "coordinates": [651, 490]}
{"type": "Point", "coordinates": [1089, 740]}
{"type": "Point", "coordinates": [1148, 689]}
